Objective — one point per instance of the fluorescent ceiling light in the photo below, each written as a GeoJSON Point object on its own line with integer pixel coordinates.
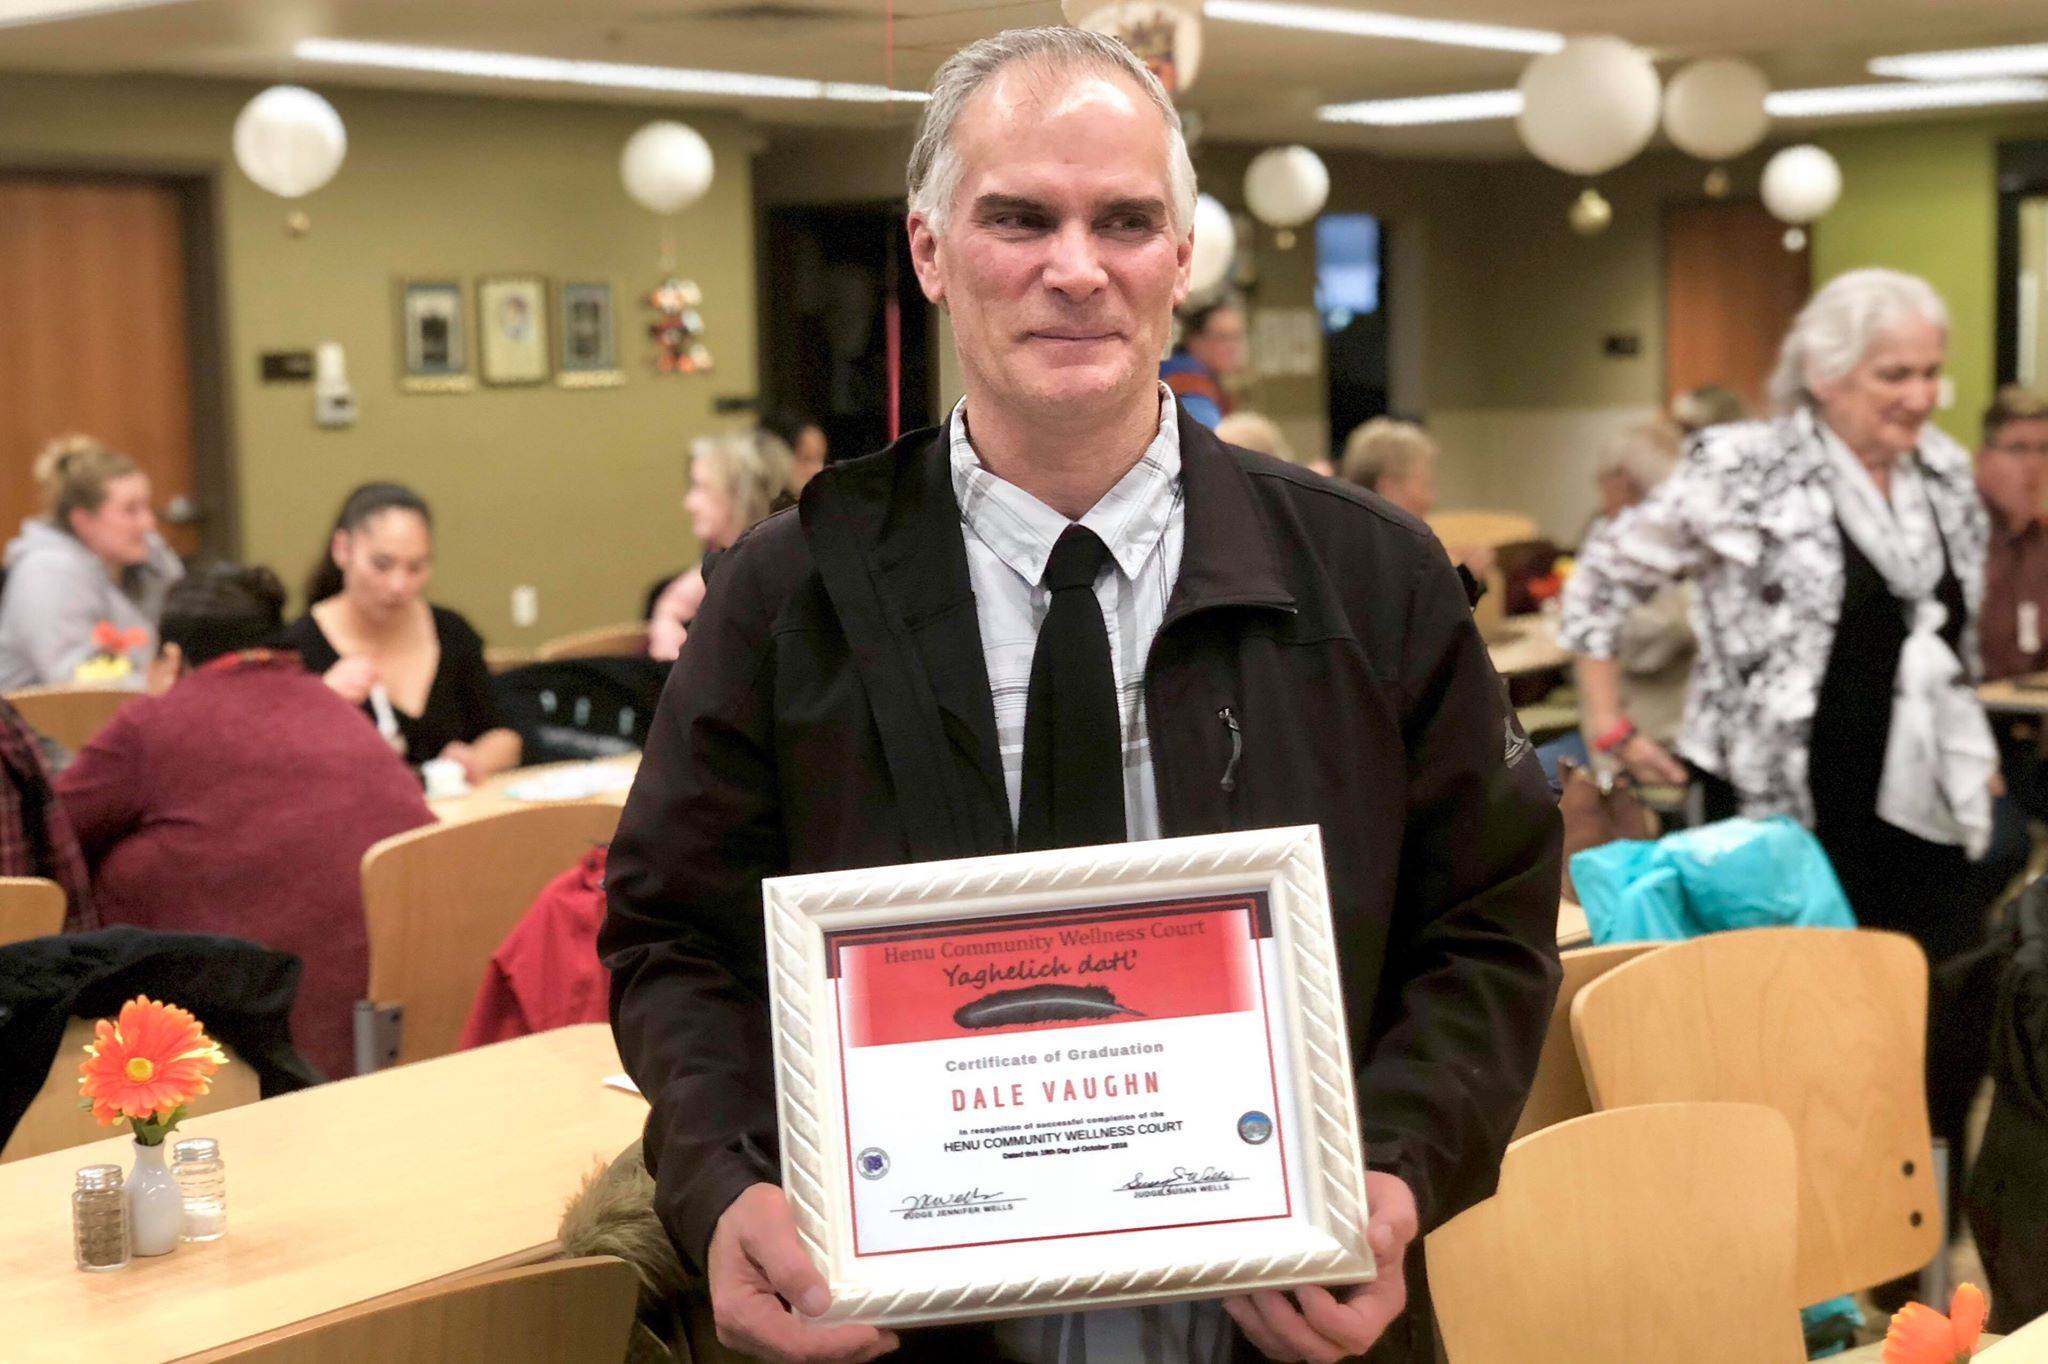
{"type": "Point", "coordinates": [1409, 113]}
{"type": "Point", "coordinates": [1885, 99]}
{"type": "Point", "coordinates": [1967, 64]}
{"type": "Point", "coordinates": [512, 66]}
{"type": "Point", "coordinates": [1361, 23]}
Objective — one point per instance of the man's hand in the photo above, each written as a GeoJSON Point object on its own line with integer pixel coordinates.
{"type": "Point", "coordinates": [1325, 1327]}
{"type": "Point", "coordinates": [758, 1268]}
{"type": "Point", "coordinates": [1650, 764]}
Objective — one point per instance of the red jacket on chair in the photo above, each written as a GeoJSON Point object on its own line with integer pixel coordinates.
{"type": "Point", "coordinates": [546, 973]}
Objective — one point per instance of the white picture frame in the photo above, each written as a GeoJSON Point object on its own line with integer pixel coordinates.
{"type": "Point", "coordinates": [512, 330]}
{"type": "Point", "coordinates": [809, 919]}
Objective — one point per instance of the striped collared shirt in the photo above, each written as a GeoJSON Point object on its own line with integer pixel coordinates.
{"type": "Point", "coordinates": [1009, 536]}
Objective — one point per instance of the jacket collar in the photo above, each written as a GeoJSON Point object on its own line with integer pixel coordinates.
{"type": "Point", "coordinates": [884, 533]}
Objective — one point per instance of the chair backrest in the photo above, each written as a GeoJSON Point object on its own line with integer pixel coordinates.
{"type": "Point", "coordinates": [562, 1312]}
{"type": "Point", "coordinates": [1825, 1025]}
{"type": "Point", "coordinates": [1462, 530]}
{"type": "Point", "coordinates": [70, 715]}
{"type": "Point", "coordinates": [612, 641]}
{"type": "Point", "coordinates": [437, 902]}
{"type": "Point", "coordinates": [55, 1122]}
{"type": "Point", "coordinates": [1559, 1090]}
{"type": "Point", "coordinates": [30, 907]}
{"type": "Point", "coordinates": [1660, 1232]}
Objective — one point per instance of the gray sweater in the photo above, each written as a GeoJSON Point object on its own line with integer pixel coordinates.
{"type": "Point", "coordinates": [58, 590]}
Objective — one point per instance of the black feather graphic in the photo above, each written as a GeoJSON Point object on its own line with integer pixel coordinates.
{"type": "Point", "coordinates": [1041, 1004]}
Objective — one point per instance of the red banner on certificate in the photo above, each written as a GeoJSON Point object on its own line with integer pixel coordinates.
{"type": "Point", "coordinates": [987, 978]}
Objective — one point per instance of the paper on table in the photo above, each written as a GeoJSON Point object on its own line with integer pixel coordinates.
{"type": "Point", "coordinates": [572, 783]}
{"type": "Point", "coordinates": [621, 1081]}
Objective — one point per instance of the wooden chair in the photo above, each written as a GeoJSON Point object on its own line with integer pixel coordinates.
{"type": "Point", "coordinates": [437, 902]}
{"type": "Point", "coordinates": [30, 907]}
{"type": "Point", "coordinates": [504, 659]}
{"type": "Point", "coordinates": [1663, 1232]}
{"type": "Point", "coordinates": [562, 1312]}
{"type": "Point", "coordinates": [54, 1121]}
{"type": "Point", "coordinates": [1475, 529]}
{"type": "Point", "coordinates": [1828, 1026]}
{"type": "Point", "coordinates": [69, 715]}
{"type": "Point", "coordinates": [612, 641]}
{"type": "Point", "coordinates": [1559, 1090]}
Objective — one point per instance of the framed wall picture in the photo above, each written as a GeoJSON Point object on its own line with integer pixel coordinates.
{"type": "Point", "coordinates": [589, 354]}
{"type": "Point", "coordinates": [433, 337]}
{"type": "Point", "coordinates": [512, 329]}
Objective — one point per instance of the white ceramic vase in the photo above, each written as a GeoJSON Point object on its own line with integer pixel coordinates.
{"type": "Point", "coordinates": [156, 1209]}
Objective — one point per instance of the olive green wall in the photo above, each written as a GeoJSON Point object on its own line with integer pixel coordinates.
{"type": "Point", "coordinates": [574, 493]}
{"type": "Point", "coordinates": [1924, 198]}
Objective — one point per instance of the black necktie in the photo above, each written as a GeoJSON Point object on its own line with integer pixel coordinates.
{"type": "Point", "coordinates": [1073, 742]}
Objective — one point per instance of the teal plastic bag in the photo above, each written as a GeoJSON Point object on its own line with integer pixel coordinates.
{"type": "Point", "coordinates": [1737, 873]}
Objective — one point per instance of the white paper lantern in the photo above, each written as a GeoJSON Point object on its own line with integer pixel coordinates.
{"type": "Point", "coordinates": [1215, 245]}
{"type": "Point", "coordinates": [666, 166]}
{"type": "Point", "coordinates": [1166, 35]}
{"type": "Point", "coordinates": [1800, 184]}
{"type": "Point", "coordinates": [1715, 109]}
{"type": "Point", "coordinates": [1286, 186]}
{"type": "Point", "coordinates": [1589, 106]}
{"type": "Point", "coordinates": [1590, 213]}
{"type": "Point", "coordinates": [289, 141]}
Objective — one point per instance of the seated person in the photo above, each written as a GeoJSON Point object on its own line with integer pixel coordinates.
{"type": "Point", "coordinates": [734, 481]}
{"type": "Point", "coordinates": [808, 450]}
{"type": "Point", "coordinates": [1397, 460]}
{"type": "Point", "coordinates": [1256, 431]}
{"type": "Point", "coordinates": [240, 800]}
{"type": "Point", "coordinates": [2012, 478]}
{"type": "Point", "coordinates": [1211, 350]}
{"type": "Point", "coordinates": [416, 669]}
{"type": "Point", "coordinates": [86, 580]}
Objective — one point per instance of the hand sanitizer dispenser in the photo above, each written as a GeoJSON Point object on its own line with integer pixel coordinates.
{"type": "Point", "coordinates": [334, 402]}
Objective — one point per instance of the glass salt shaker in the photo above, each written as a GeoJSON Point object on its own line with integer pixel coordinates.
{"type": "Point", "coordinates": [202, 1180]}
{"type": "Point", "coordinates": [99, 1219]}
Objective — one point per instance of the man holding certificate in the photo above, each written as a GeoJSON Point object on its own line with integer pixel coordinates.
{"type": "Point", "coordinates": [1071, 617]}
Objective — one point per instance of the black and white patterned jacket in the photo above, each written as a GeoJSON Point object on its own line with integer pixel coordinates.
{"type": "Point", "coordinates": [1749, 519]}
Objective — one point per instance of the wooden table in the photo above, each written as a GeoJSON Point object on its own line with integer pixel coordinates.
{"type": "Point", "coordinates": [2009, 697]}
{"type": "Point", "coordinates": [336, 1195]}
{"type": "Point", "coordinates": [488, 796]}
{"type": "Point", "coordinates": [1526, 644]}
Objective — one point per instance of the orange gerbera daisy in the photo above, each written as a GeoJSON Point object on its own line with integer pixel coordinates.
{"type": "Point", "coordinates": [1920, 1335]}
{"type": "Point", "coordinates": [147, 1064]}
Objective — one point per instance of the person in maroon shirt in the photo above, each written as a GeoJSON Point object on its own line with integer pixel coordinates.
{"type": "Point", "coordinates": [2012, 476]}
{"type": "Point", "coordinates": [240, 800]}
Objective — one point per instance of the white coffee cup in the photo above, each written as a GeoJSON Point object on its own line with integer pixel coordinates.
{"type": "Point", "coordinates": [445, 778]}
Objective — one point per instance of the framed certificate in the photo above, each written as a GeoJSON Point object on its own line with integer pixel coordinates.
{"type": "Point", "coordinates": [1067, 1080]}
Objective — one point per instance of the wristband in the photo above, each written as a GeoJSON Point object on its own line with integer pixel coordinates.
{"type": "Point", "coordinates": [1624, 730]}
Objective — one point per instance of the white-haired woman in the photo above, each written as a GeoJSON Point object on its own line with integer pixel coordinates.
{"type": "Point", "coordinates": [1836, 553]}
{"type": "Point", "coordinates": [735, 481]}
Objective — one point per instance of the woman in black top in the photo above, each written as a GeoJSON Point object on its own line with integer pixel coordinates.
{"type": "Point", "coordinates": [416, 669]}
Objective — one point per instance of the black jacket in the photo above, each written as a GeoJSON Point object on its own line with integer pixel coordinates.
{"type": "Point", "coordinates": [832, 710]}
{"type": "Point", "coordinates": [241, 992]}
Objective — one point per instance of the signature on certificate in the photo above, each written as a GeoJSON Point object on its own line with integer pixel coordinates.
{"type": "Point", "coordinates": [967, 1198]}
{"type": "Point", "coordinates": [1181, 1175]}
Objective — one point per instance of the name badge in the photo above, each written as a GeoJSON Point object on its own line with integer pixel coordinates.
{"type": "Point", "coordinates": [2030, 627]}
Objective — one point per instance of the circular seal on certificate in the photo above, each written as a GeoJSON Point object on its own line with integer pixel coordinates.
{"type": "Point", "coordinates": [1254, 1127]}
{"type": "Point", "coordinates": [873, 1163]}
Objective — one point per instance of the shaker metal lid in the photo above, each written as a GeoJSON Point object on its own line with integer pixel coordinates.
{"type": "Point", "coordinates": [195, 1148]}
{"type": "Point", "coordinates": [93, 1177]}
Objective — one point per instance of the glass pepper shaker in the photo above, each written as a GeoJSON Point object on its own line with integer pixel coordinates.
{"type": "Point", "coordinates": [202, 1181]}
{"type": "Point", "coordinates": [99, 1219]}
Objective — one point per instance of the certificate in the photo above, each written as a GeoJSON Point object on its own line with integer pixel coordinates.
{"type": "Point", "coordinates": [1067, 1080]}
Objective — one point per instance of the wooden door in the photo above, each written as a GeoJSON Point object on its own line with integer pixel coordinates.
{"type": "Point", "coordinates": [1730, 291]}
{"type": "Point", "coordinates": [95, 332]}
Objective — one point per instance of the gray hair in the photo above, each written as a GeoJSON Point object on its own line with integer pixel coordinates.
{"type": "Point", "coordinates": [1839, 325]}
{"type": "Point", "coordinates": [1645, 454]}
{"type": "Point", "coordinates": [1384, 448]}
{"type": "Point", "coordinates": [934, 170]}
